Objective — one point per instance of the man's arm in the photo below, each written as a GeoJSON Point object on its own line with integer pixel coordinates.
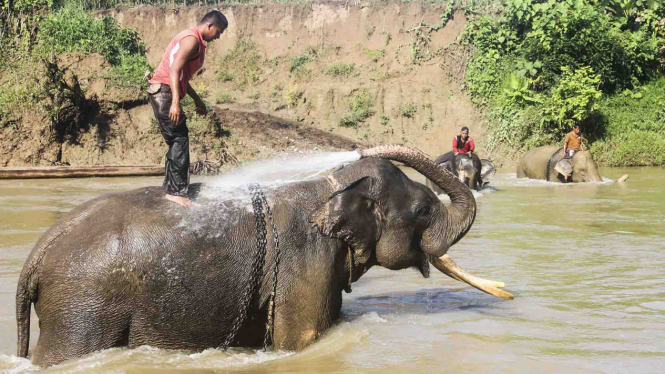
{"type": "Point", "coordinates": [455, 150]}
{"type": "Point", "coordinates": [189, 47]}
{"type": "Point", "coordinates": [472, 146]}
{"type": "Point", "coordinates": [565, 145]}
{"type": "Point", "coordinates": [200, 105]}
{"type": "Point", "coordinates": [582, 147]}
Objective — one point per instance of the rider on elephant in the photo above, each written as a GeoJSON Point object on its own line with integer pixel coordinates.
{"type": "Point", "coordinates": [573, 142]}
{"type": "Point", "coordinates": [463, 143]}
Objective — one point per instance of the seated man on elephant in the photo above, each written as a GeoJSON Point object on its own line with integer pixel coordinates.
{"type": "Point", "coordinates": [573, 142]}
{"type": "Point", "coordinates": [463, 143]}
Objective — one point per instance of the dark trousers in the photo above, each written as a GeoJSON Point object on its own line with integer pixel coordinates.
{"type": "Point", "coordinates": [176, 137]}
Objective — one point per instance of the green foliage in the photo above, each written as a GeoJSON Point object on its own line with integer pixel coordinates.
{"type": "Point", "coordinates": [224, 98]}
{"type": "Point", "coordinates": [571, 101]}
{"type": "Point", "coordinates": [129, 72]}
{"type": "Point", "coordinates": [361, 107]}
{"type": "Point", "coordinates": [242, 64]}
{"type": "Point", "coordinates": [73, 29]}
{"type": "Point", "coordinates": [408, 110]}
{"type": "Point", "coordinates": [375, 54]}
{"type": "Point", "coordinates": [634, 127]}
{"type": "Point", "coordinates": [341, 69]}
{"type": "Point", "coordinates": [298, 62]}
{"type": "Point", "coordinates": [292, 96]}
{"type": "Point", "coordinates": [543, 66]}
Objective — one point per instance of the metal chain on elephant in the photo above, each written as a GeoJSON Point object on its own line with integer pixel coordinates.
{"type": "Point", "coordinates": [549, 164]}
{"type": "Point", "coordinates": [257, 266]}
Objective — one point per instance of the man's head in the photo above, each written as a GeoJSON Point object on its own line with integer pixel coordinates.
{"type": "Point", "coordinates": [464, 133]}
{"type": "Point", "coordinates": [212, 25]}
{"type": "Point", "coordinates": [577, 130]}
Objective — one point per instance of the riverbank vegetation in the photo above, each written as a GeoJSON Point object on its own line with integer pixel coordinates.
{"type": "Point", "coordinates": [543, 66]}
{"type": "Point", "coordinates": [534, 68]}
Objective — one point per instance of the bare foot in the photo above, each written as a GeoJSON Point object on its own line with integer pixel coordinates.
{"type": "Point", "coordinates": [180, 200]}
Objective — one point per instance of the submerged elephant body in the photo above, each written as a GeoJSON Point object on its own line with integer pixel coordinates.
{"type": "Point", "coordinates": [132, 269]}
{"type": "Point", "coordinates": [539, 163]}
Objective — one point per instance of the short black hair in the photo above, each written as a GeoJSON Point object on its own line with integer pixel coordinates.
{"type": "Point", "coordinates": [576, 126]}
{"type": "Point", "coordinates": [216, 18]}
{"type": "Point", "coordinates": [464, 128]}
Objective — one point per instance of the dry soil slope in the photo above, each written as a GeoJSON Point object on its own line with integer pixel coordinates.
{"type": "Point", "coordinates": [337, 33]}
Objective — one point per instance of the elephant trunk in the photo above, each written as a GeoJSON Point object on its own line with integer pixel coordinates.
{"type": "Point", "coordinates": [459, 216]}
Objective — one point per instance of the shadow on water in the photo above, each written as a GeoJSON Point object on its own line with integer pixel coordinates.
{"type": "Point", "coordinates": [422, 302]}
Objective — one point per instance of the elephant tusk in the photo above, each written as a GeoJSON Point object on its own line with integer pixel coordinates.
{"type": "Point", "coordinates": [447, 266]}
{"type": "Point", "coordinates": [623, 178]}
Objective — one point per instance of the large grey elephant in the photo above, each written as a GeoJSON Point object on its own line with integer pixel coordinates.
{"type": "Point", "coordinates": [472, 171]}
{"type": "Point", "coordinates": [539, 163]}
{"type": "Point", "coordinates": [132, 269]}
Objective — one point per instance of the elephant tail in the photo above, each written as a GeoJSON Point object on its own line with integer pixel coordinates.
{"type": "Point", "coordinates": [23, 306]}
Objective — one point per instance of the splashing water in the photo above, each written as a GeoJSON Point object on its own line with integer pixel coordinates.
{"type": "Point", "coordinates": [282, 170]}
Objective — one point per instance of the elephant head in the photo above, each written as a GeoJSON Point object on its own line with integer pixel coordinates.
{"type": "Point", "coordinates": [389, 220]}
{"type": "Point", "coordinates": [585, 168]}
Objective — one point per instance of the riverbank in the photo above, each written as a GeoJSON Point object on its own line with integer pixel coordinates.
{"type": "Point", "coordinates": [371, 73]}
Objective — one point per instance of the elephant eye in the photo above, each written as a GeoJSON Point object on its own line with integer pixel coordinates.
{"type": "Point", "coordinates": [424, 210]}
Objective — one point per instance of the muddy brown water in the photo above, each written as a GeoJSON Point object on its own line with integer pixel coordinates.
{"type": "Point", "coordinates": [585, 262]}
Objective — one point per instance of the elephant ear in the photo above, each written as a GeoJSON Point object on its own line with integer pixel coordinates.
{"type": "Point", "coordinates": [354, 215]}
{"type": "Point", "coordinates": [487, 171]}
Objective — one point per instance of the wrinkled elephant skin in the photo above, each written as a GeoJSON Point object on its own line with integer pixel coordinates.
{"type": "Point", "coordinates": [132, 269]}
{"type": "Point", "coordinates": [534, 165]}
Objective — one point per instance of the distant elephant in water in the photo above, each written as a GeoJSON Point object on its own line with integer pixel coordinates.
{"type": "Point", "coordinates": [472, 171]}
{"type": "Point", "coordinates": [132, 269]}
{"type": "Point", "coordinates": [539, 163]}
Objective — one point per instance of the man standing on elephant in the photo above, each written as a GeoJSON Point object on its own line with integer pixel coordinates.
{"type": "Point", "coordinates": [181, 60]}
{"type": "Point", "coordinates": [573, 142]}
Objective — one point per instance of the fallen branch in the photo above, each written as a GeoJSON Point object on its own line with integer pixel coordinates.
{"type": "Point", "coordinates": [80, 171]}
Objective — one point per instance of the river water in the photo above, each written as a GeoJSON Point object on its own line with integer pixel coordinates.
{"type": "Point", "coordinates": [585, 263]}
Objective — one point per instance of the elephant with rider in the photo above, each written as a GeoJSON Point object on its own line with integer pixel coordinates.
{"type": "Point", "coordinates": [471, 170]}
{"type": "Point", "coordinates": [542, 163]}
{"type": "Point", "coordinates": [131, 269]}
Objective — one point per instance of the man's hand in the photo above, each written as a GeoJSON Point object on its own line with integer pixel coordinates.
{"type": "Point", "coordinates": [201, 109]}
{"type": "Point", "coordinates": [174, 112]}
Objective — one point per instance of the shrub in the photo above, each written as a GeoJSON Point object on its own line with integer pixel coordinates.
{"type": "Point", "coordinates": [298, 62]}
{"type": "Point", "coordinates": [361, 107]}
{"type": "Point", "coordinates": [408, 110]}
{"type": "Point", "coordinates": [292, 96]}
{"type": "Point", "coordinates": [544, 64]}
{"type": "Point", "coordinates": [71, 28]}
{"type": "Point", "coordinates": [341, 69]}
{"type": "Point", "coordinates": [242, 64]}
{"type": "Point", "coordinates": [375, 54]}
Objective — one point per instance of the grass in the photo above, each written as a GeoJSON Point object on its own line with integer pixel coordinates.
{"type": "Point", "coordinates": [408, 110]}
{"type": "Point", "coordinates": [224, 98]}
{"type": "Point", "coordinates": [242, 65]}
{"type": "Point", "coordinates": [375, 54]}
{"type": "Point", "coordinates": [341, 69]}
{"type": "Point", "coordinates": [292, 96]}
{"type": "Point", "coordinates": [634, 123]}
{"type": "Point", "coordinates": [360, 108]}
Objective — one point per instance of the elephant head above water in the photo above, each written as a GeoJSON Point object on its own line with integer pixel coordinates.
{"type": "Point", "coordinates": [132, 269]}
{"type": "Point", "coordinates": [472, 171]}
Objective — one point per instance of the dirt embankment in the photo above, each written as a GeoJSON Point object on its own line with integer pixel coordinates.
{"type": "Point", "coordinates": [414, 80]}
{"type": "Point", "coordinates": [284, 78]}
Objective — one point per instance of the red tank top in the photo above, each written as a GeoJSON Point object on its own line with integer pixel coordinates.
{"type": "Point", "coordinates": [191, 67]}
